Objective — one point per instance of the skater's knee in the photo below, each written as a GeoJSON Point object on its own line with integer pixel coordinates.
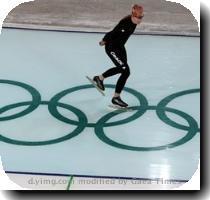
{"type": "Point", "coordinates": [126, 71]}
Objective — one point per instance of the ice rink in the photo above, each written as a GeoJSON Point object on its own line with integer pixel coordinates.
{"type": "Point", "coordinates": [55, 124]}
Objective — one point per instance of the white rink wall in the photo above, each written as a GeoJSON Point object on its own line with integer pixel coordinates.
{"type": "Point", "coordinates": [161, 17]}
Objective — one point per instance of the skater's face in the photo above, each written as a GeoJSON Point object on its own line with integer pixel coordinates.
{"type": "Point", "coordinates": [137, 16]}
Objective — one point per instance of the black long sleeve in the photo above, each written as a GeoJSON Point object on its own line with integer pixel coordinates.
{"type": "Point", "coordinates": [120, 34]}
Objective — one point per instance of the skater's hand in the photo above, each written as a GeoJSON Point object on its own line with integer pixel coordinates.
{"type": "Point", "coordinates": [102, 43]}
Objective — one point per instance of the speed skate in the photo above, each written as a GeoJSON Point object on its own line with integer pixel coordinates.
{"type": "Point", "coordinates": [94, 84]}
{"type": "Point", "coordinates": [116, 107]}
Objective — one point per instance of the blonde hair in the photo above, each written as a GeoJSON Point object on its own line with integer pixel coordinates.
{"type": "Point", "coordinates": [137, 8]}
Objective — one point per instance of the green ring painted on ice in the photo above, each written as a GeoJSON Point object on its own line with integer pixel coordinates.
{"type": "Point", "coordinates": [99, 126]}
{"type": "Point", "coordinates": [193, 127]}
{"type": "Point", "coordinates": [36, 99]}
{"type": "Point", "coordinates": [82, 124]}
{"type": "Point", "coordinates": [164, 102]}
{"type": "Point", "coordinates": [143, 103]}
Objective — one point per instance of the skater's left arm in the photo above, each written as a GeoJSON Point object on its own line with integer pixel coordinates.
{"type": "Point", "coordinates": [102, 43]}
{"type": "Point", "coordinates": [112, 35]}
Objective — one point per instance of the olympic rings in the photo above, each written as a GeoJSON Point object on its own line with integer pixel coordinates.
{"type": "Point", "coordinates": [191, 132]}
{"type": "Point", "coordinates": [163, 103]}
{"type": "Point", "coordinates": [36, 98]}
{"type": "Point", "coordinates": [99, 126]}
{"type": "Point", "coordinates": [81, 126]}
{"type": "Point", "coordinates": [54, 111]}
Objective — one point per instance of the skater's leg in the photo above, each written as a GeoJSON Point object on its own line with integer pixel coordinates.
{"type": "Point", "coordinates": [101, 77]}
{"type": "Point", "coordinates": [122, 79]}
{"type": "Point", "coordinates": [118, 57]}
{"type": "Point", "coordinates": [111, 72]}
{"type": "Point", "coordinates": [119, 87]}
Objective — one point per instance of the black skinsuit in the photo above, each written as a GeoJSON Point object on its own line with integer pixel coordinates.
{"type": "Point", "coordinates": [115, 41]}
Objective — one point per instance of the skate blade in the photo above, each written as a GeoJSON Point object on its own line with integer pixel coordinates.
{"type": "Point", "coordinates": [93, 83]}
{"type": "Point", "coordinates": [116, 107]}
